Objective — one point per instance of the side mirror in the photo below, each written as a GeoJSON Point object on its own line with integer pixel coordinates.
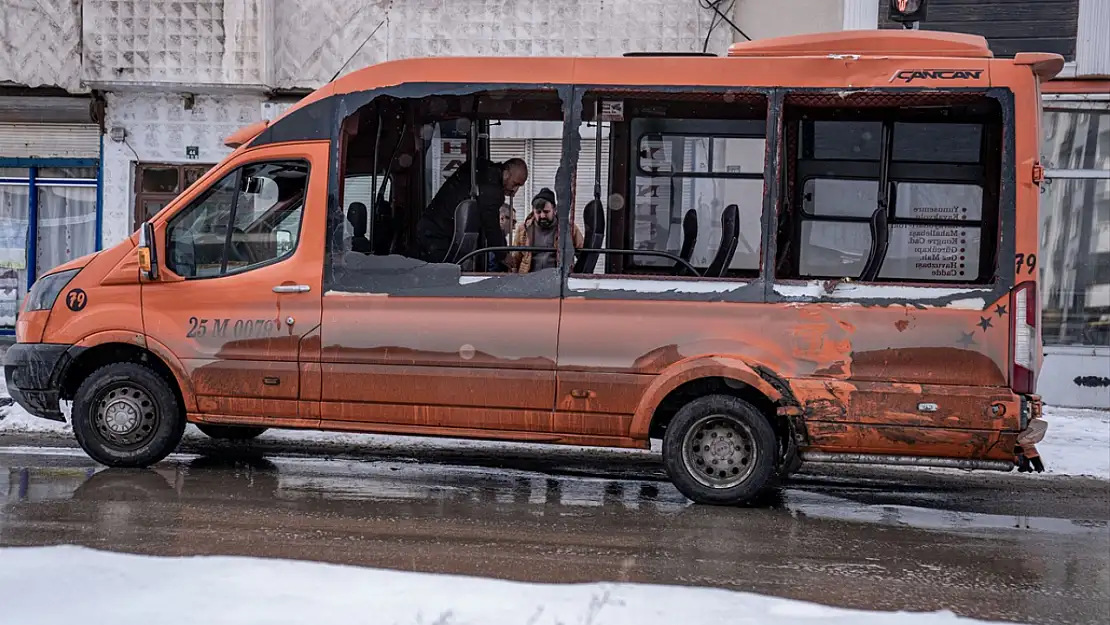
{"type": "Point", "coordinates": [251, 185]}
{"type": "Point", "coordinates": [148, 252]}
{"type": "Point", "coordinates": [284, 241]}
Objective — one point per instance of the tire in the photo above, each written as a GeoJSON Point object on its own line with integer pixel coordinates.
{"type": "Point", "coordinates": [739, 471]}
{"type": "Point", "coordinates": [125, 415]}
{"type": "Point", "coordinates": [231, 432]}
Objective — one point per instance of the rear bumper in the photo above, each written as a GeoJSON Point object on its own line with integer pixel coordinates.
{"type": "Point", "coordinates": [33, 373]}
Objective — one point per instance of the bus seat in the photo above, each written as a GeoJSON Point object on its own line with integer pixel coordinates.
{"type": "Point", "coordinates": [594, 217]}
{"type": "Point", "coordinates": [356, 216]}
{"type": "Point", "coordinates": [465, 239]}
{"type": "Point", "coordinates": [880, 241]}
{"type": "Point", "coordinates": [730, 238]}
{"type": "Point", "coordinates": [383, 227]}
{"type": "Point", "coordinates": [689, 239]}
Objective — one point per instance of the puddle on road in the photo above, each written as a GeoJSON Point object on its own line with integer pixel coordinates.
{"type": "Point", "coordinates": [466, 487]}
{"type": "Point", "coordinates": [838, 508]}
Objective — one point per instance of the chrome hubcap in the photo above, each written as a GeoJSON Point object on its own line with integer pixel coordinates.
{"type": "Point", "coordinates": [719, 451]}
{"type": "Point", "coordinates": [125, 416]}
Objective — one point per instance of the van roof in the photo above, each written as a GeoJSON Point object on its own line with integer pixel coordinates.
{"type": "Point", "coordinates": [899, 42]}
{"type": "Point", "coordinates": [647, 70]}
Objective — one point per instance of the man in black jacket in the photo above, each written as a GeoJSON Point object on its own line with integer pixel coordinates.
{"type": "Point", "coordinates": [496, 181]}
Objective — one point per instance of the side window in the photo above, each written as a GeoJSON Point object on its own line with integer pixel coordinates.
{"type": "Point", "coordinates": [682, 184]}
{"type": "Point", "coordinates": [430, 186]}
{"type": "Point", "coordinates": [698, 177]}
{"type": "Point", "coordinates": [250, 217]}
{"type": "Point", "coordinates": [904, 196]}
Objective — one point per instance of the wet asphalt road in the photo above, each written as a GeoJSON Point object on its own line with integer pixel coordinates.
{"type": "Point", "coordinates": [989, 546]}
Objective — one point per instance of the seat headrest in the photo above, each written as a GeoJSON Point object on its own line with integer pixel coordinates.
{"type": "Point", "coordinates": [356, 216]}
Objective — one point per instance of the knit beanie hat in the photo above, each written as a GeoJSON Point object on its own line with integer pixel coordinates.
{"type": "Point", "coordinates": [545, 194]}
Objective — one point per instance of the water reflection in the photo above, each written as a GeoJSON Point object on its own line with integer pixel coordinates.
{"type": "Point", "coordinates": [527, 525]}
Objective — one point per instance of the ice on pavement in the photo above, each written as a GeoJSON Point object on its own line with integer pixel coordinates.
{"type": "Point", "coordinates": [65, 584]}
{"type": "Point", "coordinates": [1077, 442]}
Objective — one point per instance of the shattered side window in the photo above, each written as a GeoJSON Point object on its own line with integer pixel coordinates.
{"type": "Point", "coordinates": [423, 196]}
{"type": "Point", "coordinates": [681, 184]}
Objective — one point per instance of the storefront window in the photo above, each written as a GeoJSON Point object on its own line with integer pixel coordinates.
{"type": "Point", "coordinates": [67, 225]}
{"type": "Point", "coordinates": [14, 208]}
{"type": "Point", "coordinates": [1075, 224]}
{"type": "Point", "coordinates": [64, 227]}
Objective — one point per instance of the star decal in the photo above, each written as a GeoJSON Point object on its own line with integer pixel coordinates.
{"type": "Point", "coordinates": [985, 322]}
{"type": "Point", "coordinates": [1000, 310]}
{"type": "Point", "coordinates": [966, 340]}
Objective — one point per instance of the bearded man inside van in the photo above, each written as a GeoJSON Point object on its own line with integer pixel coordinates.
{"type": "Point", "coordinates": [540, 229]}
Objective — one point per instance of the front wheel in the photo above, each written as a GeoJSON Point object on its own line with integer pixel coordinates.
{"type": "Point", "coordinates": [125, 415]}
{"type": "Point", "coordinates": [231, 432]}
{"type": "Point", "coordinates": [719, 450]}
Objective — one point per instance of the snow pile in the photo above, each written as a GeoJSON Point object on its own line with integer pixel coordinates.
{"type": "Point", "coordinates": [244, 591]}
{"type": "Point", "coordinates": [1077, 442]}
{"type": "Point", "coordinates": [13, 418]}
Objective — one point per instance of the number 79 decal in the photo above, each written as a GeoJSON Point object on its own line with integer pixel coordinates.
{"type": "Point", "coordinates": [1028, 262]}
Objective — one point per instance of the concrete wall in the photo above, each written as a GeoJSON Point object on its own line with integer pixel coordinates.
{"type": "Point", "coordinates": [168, 42]}
{"type": "Point", "coordinates": [760, 19]}
{"type": "Point", "coordinates": [1076, 376]}
{"type": "Point", "coordinates": [313, 39]}
{"type": "Point", "coordinates": [158, 129]}
{"type": "Point", "coordinates": [40, 43]}
{"type": "Point", "coordinates": [258, 45]}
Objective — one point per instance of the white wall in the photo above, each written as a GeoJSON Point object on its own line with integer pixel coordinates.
{"type": "Point", "coordinates": [1075, 376]}
{"type": "Point", "coordinates": [217, 42]}
{"type": "Point", "coordinates": [263, 44]}
{"type": "Point", "coordinates": [312, 40]}
{"type": "Point", "coordinates": [158, 129]}
{"type": "Point", "coordinates": [40, 43]}
{"type": "Point", "coordinates": [760, 19]}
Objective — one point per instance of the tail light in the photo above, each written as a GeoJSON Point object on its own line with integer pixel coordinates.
{"type": "Point", "coordinates": [1023, 330]}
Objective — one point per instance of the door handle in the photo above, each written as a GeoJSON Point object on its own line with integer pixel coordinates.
{"type": "Point", "coordinates": [291, 288]}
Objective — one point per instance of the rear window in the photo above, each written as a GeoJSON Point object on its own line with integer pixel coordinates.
{"type": "Point", "coordinates": [929, 179]}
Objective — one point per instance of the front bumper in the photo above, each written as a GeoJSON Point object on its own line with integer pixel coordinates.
{"type": "Point", "coordinates": [33, 373]}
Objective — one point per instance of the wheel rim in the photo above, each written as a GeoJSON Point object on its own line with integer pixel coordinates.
{"type": "Point", "coordinates": [125, 416]}
{"type": "Point", "coordinates": [719, 451]}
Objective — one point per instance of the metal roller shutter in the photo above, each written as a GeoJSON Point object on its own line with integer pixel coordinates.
{"type": "Point", "coordinates": [584, 189]}
{"type": "Point", "coordinates": [546, 154]}
{"type": "Point", "coordinates": [21, 140]}
{"type": "Point", "coordinates": [543, 165]}
{"type": "Point", "coordinates": [503, 149]}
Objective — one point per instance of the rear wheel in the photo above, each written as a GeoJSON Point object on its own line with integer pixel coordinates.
{"type": "Point", "coordinates": [125, 415]}
{"type": "Point", "coordinates": [719, 450]}
{"type": "Point", "coordinates": [231, 432]}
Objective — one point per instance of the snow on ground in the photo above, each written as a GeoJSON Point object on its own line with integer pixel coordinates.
{"type": "Point", "coordinates": [1077, 442]}
{"type": "Point", "coordinates": [243, 591]}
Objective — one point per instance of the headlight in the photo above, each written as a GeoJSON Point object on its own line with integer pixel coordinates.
{"type": "Point", "coordinates": [46, 289]}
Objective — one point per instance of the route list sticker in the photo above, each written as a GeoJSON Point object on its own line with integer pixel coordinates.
{"type": "Point", "coordinates": [930, 200]}
{"type": "Point", "coordinates": [932, 253]}
{"type": "Point", "coordinates": [941, 252]}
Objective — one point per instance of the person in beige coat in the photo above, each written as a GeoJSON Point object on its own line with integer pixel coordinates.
{"type": "Point", "coordinates": [540, 229]}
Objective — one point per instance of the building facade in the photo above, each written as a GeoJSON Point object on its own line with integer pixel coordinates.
{"type": "Point", "coordinates": [109, 108]}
